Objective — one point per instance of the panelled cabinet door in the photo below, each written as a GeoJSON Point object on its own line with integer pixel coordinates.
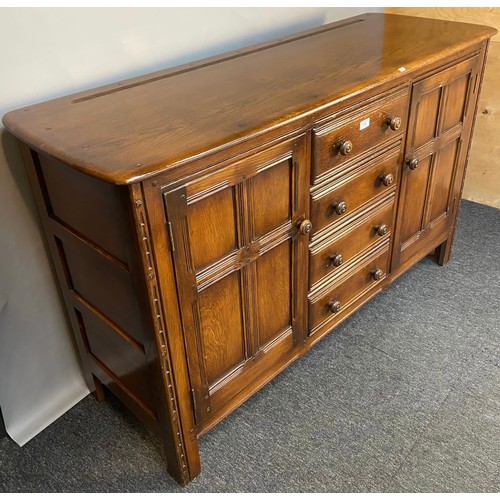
{"type": "Point", "coordinates": [241, 269]}
{"type": "Point", "coordinates": [438, 134]}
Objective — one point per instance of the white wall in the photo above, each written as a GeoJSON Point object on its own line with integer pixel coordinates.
{"type": "Point", "coordinates": [52, 52]}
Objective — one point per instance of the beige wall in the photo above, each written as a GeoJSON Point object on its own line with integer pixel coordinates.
{"type": "Point", "coordinates": [48, 53]}
{"type": "Point", "coordinates": [482, 182]}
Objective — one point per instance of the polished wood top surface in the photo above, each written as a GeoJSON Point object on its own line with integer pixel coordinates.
{"type": "Point", "coordinates": [131, 130]}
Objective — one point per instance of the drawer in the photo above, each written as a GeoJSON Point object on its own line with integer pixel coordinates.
{"type": "Point", "coordinates": [336, 202]}
{"type": "Point", "coordinates": [334, 255]}
{"type": "Point", "coordinates": [355, 133]}
{"type": "Point", "coordinates": [326, 306]}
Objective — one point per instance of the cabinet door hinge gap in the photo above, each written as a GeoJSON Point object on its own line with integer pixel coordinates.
{"type": "Point", "coordinates": [171, 236]}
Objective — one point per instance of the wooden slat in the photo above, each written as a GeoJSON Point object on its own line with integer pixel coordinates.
{"type": "Point", "coordinates": [482, 182]}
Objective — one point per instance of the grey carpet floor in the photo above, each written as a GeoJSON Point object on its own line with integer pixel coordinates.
{"type": "Point", "coordinates": [404, 396]}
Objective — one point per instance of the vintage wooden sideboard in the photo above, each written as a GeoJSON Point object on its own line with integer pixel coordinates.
{"type": "Point", "coordinates": [211, 222]}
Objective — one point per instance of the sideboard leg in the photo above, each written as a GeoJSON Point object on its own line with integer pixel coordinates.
{"type": "Point", "coordinates": [99, 389]}
{"type": "Point", "coordinates": [182, 456]}
{"type": "Point", "coordinates": [443, 252]}
{"type": "Point", "coordinates": [177, 471]}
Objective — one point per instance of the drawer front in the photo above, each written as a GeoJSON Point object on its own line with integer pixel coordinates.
{"type": "Point", "coordinates": [337, 202]}
{"type": "Point", "coordinates": [355, 133]}
{"type": "Point", "coordinates": [365, 277]}
{"type": "Point", "coordinates": [335, 255]}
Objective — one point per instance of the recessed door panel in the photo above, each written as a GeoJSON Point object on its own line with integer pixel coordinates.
{"type": "Point", "coordinates": [271, 200]}
{"type": "Point", "coordinates": [222, 334]}
{"type": "Point", "coordinates": [442, 172]}
{"type": "Point", "coordinates": [211, 223]}
{"type": "Point", "coordinates": [457, 98]}
{"type": "Point", "coordinates": [428, 109]}
{"type": "Point", "coordinates": [414, 203]}
{"type": "Point", "coordinates": [274, 309]}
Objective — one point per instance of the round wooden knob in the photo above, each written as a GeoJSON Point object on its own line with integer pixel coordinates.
{"type": "Point", "coordinates": [305, 226]}
{"type": "Point", "coordinates": [381, 229]}
{"type": "Point", "coordinates": [387, 179]}
{"type": "Point", "coordinates": [334, 306]}
{"type": "Point", "coordinates": [377, 274]}
{"type": "Point", "coordinates": [344, 147]}
{"type": "Point", "coordinates": [339, 207]}
{"type": "Point", "coordinates": [336, 259]}
{"type": "Point", "coordinates": [412, 163]}
{"type": "Point", "coordinates": [394, 123]}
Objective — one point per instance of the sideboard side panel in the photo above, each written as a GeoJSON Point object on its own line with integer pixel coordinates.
{"type": "Point", "coordinates": [89, 239]}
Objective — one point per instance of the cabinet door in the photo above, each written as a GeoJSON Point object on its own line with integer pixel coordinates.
{"type": "Point", "coordinates": [438, 135]}
{"type": "Point", "coordinates": [241, 270]}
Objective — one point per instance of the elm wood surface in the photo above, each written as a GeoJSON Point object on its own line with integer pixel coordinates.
{"type": "Point", "coordinates": [138, 128]}
{"type": "Point", "coordinates": [334, 254]}
{"type": "Point", "coordinates": [442, 110]}
{"type": "Point", "coordinates": [360, 281]}
{"type": "Point", "coordinates": [107, 300]}
{"type": "Point", "coordinates": [483, 174]}
{"type": "Point", "coordinates": [362, 129]}
{"type": "Point", "coordinates": [349, 194]}
{"type": "Point", "coordinates": [185, 225]}
{"type": "Point", "coordinates": [240, 268]}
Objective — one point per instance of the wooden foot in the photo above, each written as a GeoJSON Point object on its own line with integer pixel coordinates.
{"type": "Point", "coordinates": [443, 252]}
{"type": "Point", "coordinates": [99, 389]}
{"type": "Point", "coordinates": [183, 462]}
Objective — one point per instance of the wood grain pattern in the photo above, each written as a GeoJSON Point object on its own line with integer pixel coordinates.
{"type": "Point", "coordinates": [126, 361]}
{"type": "Point", "coordinates": [473, 15]}
{"type": "Point", "coordinates": [414, 200]}
{"type": "Point", "coordinates": [428, 107]}
{"type": "Point", "coordinates": [349, 241]}
{"type": "Point", "coordinates": [193, 286]}
{"type": "Point", "coordinates": [79, 203]}
{"type": "Point", "coordinates": [271, 198]}
{"type": "Point", "coordinates": [235, 314]}
{"type": "Point", "coordinates": [437, 137]}
{"type": "Point", "coordinates": [105, 286]}
{"type": "Point", "coordinates": [113, 343]}
{"type": "Point", "coordinates": [482, 182]}
{"type": "Point", "coordinates": [140, 129]}
{"type": "Point", "coordinates": [274, 296]}
{"type": "Point", "coordinates": [355, 284]}
{"type": "Point", "coordinates": [456, 94]}
{"type": "Point", "coordinates": [222, 327]}
{"type": "Point", "coordinates": [166, 350]}
{"type": "Point", "coordinates": [364, 128]}
{"type": "Point", "coordinates": [211, 222]}
{"type": "Point", "coordinates": [357, 188]}
{"type": "Point", "coordinates": [442, 181]}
